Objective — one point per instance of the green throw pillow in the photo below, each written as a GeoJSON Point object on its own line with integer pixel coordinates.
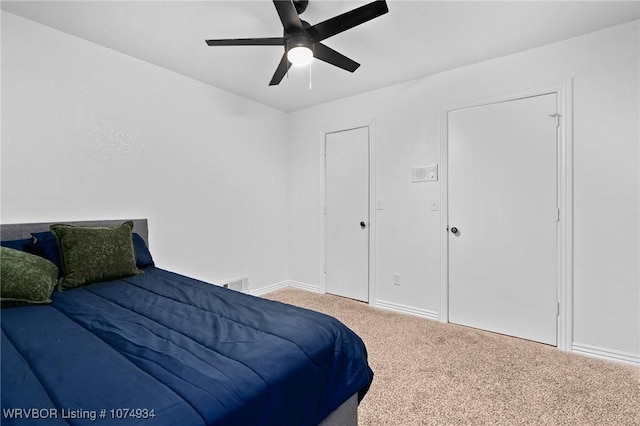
{"type": "Point", "coordinates": [26, 278]}
{"type": "Point", "coordinates": [91, 254]}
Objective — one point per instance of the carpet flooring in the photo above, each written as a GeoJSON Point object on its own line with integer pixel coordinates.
{"type": "Point", "coordinates": [430, 373]}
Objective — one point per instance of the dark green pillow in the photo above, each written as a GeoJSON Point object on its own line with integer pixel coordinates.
{"type": "Point", "coordinates": [92, 254]}
{"type": "Point", "coordinates": [26, 278]}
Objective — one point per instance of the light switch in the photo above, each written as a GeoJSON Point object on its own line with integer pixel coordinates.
{"type": "Point", "coordinates": [432, 173]}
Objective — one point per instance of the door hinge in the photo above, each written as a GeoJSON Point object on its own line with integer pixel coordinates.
{"type": "Point", "coordinates": [557, 117]}
{"type": "Point", "coordinates": [557, 308]}
{"type": "Point", "coordinates": [557, 215]}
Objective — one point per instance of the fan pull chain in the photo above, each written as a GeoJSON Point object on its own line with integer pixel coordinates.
{"type": "Point", "coordinates": [286, 50]}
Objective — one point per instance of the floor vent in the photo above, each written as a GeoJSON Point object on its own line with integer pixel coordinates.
{"type": "Point", "coordinates": [237, 284]}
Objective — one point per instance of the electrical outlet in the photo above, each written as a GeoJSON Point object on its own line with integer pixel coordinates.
{"type": "Point", "coordinates": [396, 279]}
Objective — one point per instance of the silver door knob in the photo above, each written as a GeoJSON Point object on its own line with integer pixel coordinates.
{"type": "Point", "coordinates": [454, 230]}
{"type": "Point", "coordinates": [363, 225]}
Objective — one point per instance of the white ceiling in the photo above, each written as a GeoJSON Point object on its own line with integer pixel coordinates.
{"type": "Point", "coordinates": [416, 38]}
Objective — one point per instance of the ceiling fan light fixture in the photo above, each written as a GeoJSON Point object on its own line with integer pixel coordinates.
{"type": "Point", "coordinates": [300, 55]}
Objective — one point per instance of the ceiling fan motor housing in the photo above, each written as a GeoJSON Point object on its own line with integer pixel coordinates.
{"type": "Point", "coordinates": [298, 40]}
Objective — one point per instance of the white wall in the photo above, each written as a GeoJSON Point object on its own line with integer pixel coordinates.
{"type": "Point", "coordinates": [89, 133]}
{"type": "Point", "coordinates": [232, 187]}
{"type": "Point", "coordinates": [605, 69]}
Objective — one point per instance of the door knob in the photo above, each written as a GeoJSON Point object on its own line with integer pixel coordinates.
{"type": "Point", "coordinates": [363, 225]}
{"type": "Point", "coordinates": [454, 230]}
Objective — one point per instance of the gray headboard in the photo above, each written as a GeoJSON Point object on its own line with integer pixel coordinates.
{"type": "Point", "coordinates": [16, 231]}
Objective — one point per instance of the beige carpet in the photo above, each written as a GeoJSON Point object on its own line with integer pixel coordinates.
{"type": "Point", "coordinates": [429, 373]}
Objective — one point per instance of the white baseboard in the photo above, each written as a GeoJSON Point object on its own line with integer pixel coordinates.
{"type": "Point", "coordinates": [283, 284]}
{"type": "Point", "coordinates": [268, 289]}
{"type": "Point", "coordinates": [397, 307]}
{"type": "Point", "coordinates": [606, 354]}
{"type": "Point", "coordinates": [304, 286]}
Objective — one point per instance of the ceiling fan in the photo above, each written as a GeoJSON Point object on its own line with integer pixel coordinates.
{"type": "Point", "coordinates": [302, 41]}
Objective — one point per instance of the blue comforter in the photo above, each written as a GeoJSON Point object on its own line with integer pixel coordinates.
{"type": "Point", "coordinates": [163, 349]}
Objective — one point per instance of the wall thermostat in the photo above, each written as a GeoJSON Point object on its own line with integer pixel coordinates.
{"type": "Point", "coordinates": [424, 173]}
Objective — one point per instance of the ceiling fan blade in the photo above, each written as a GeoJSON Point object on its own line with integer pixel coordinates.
{"type": "Point", "coordinates": [281, 71]}
{"type": "Point", "coordinates": [288, 16]}
{"type": "Point", "coordinates": [348, 20]}
{"type": "Point", "coordinates": [268, 41]}
{"type": "Point", "coordinates": [332, 57]}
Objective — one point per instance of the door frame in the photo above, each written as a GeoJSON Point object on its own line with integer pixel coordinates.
{"type": "Point", "coordinates": [372, 211]}
{"type": "Point", "coordinates": [564, 236]}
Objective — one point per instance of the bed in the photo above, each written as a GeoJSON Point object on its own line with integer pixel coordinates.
{"type": "Point", "coordinates": [160, 348]}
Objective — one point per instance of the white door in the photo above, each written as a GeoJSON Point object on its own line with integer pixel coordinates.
{"type": "Point", "coordinates": [347, 213]}
{"type": "Point", "coordinates": [503, 202]}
